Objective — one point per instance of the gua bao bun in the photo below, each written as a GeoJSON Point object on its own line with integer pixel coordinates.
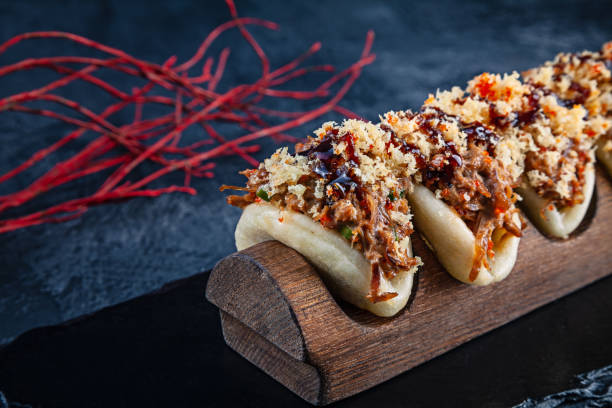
{"type": "Point", "coordinates": [575, 102]}
{"type": "Point", "coordinates": [555, 221]}
{"type": "Point", "coordinates": [340, 202]}
{"type": "Point", "coordinates": [454, 243]}
{"type": "Point", "coordinates": [546, 137]}
{"type": "Point", "coordinates": [462, 201]}
{"type": "Point", "coordinates": [344, 269]}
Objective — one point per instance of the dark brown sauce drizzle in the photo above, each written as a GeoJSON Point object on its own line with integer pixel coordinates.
{"type": "Point", "coordinates": [529, 116]}
{"type": "Point", "coordinates": [337, 171]}
{"type": "Point", "coordinates": [518, 118]}
{"type": "Point", "coordinates": [582, 94]}
{"type": "Point", "coordinates": [481, 136]}
{"type": "Point", "coordinates": [439, 171]}
{"type": "Point", "coordinates": [405, 147]}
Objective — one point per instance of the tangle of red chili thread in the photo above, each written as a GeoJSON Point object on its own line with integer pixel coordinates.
{"type": "Point", "coordinates": [156, 140]}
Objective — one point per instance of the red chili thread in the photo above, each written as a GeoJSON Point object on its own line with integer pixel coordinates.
{"type": "Point", "coordinates": [156, 140]}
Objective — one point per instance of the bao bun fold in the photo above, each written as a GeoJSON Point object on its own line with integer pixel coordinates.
{"type": "Point", "coordinates": [454, 243]}
{"type": "Point", "coordinates": [344, 269]}
{"type": "Point", "coordinates": [553, 221]}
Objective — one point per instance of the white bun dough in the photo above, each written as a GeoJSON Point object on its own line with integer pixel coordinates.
{"type": "Point", "coordinates": [344, 269]}
{"type": "Point", "coordinates": [454, 243]}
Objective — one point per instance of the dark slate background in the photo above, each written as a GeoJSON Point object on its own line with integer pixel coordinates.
{"type": "Point", "coordinates": [52, 273]}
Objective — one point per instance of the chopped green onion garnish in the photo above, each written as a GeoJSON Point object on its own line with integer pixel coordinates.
{"type": "Point", "coordinates": [261, 193]}
{"type": "Point", "coordinates": [346, 232]}
{"type": "Point", "coordinates": [402, 194]}
{"type": "Point", "coordinates": [395, 234]}
{"type": "Point", "coordinates": [391, 196]}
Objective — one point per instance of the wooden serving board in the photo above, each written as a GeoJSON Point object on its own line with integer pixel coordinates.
{"type": "Point", "coordinates": [277, 313]}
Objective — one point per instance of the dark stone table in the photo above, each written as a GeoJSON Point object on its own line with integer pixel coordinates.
{"type": "Point", "coordinates": [167, 348]}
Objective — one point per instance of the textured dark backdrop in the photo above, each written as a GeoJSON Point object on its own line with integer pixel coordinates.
{"type": "Point", "coordinates": [52, 273]}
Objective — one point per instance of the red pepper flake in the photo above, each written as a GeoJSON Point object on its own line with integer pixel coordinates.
{"type": "Point", "coordinates": [363, 203]}
{"type": "Point", "coordinates": [325, 220]}
{"type": "Point", "coordinates": [490, 252]}
{"type": "Point", "coordinates": [484, 86]}
{"type": "Point", "coordinates": [597, 68]}
{"type": "Point", "coordinates": [549, 111]}
{"type": "Point", "coordinates": [281, 219]}
{"type": "Point", "coordinates": [507, 94]}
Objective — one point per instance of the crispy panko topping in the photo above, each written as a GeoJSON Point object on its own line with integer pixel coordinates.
{"type": "Point", "coordinates": [582, 79]}
{"type": "Point", "coordinates": [541, 136]}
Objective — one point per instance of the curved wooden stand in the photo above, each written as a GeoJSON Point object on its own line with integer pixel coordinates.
{"type": "Point", "coordinates": [277, 313]}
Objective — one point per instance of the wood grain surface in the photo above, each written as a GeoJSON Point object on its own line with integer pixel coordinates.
{"type": "Point", "coordinates": [278, 314]}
